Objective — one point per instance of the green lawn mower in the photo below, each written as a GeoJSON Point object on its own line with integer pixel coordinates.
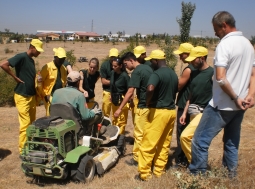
{"type": "Point", "coordinates": [62, 145]}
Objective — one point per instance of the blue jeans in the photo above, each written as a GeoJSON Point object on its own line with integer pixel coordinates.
{"type": "Point", "coordinates": [211, 123]}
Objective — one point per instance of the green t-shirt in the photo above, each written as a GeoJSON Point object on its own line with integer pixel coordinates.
{"type": "Point", "coordinates": [25, 70]}
{"type": "Point", "coordinates": [139, 79]}
{"type": "Point", "coordinates": [58, 84]}
{"type": "Point", "coordinates": [165, 82]}
{"type": "Point", "coordinates": [119, 82]}
{"type": "Point", "coordinates": [89, 83]}
{"type": "Point", "coordinates": [184, 93]}
{"type": "Point", "coordinates": [105, 72]}
{"type": "Point", "coordinates": [201, 87]}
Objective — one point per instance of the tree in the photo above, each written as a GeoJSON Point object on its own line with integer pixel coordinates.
{"type": "Point", "coordinates": [184, 22]}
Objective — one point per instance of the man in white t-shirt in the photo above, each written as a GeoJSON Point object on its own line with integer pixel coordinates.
{"type": "Point", "coordinates": [233, 93]}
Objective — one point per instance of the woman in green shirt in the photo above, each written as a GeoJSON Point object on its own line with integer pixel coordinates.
{"type": "Point", "coordinates": [118, 87]}
{"type": "Point", "coordinates": [89, 79]}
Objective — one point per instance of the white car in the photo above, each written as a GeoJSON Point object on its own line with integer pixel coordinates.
{"type": "Point", "coordinates": [100, 39]}
{"type": "Point", "coordinates": [92, 39]}
{"type": "Point", "coordinates": [122, 39]}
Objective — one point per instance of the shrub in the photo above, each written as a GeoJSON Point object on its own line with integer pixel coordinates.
{"type": "Point", "coordinates": [7, 50]}
{"type": "Point", "coordinates": [7, 86]}
{"type": "Point", "coordinates": [70, 57]}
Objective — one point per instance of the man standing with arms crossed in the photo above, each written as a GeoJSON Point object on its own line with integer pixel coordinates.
{"type": "Point", "coordinates": [25, 91]}
{"type": "Point", "coordinates": [233, 93]}
{"type": "Point", "coordinates": [160, 99]}
{"type": "Point", "coordinates": [105, 72]}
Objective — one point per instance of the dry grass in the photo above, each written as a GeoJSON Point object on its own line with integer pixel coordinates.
{"type": "Point", "coordinates": [122, 175]}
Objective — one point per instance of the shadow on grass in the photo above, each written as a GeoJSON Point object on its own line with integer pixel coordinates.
{"type": "Point", "coordinates": [4, 153]}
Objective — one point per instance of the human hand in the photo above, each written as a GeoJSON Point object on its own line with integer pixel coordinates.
{"type": "Point", "coordinates": [18, 80]}
{"type": "Point", "coordinates": [117, 113]}
{"type": "Point", "coordinates": [97, 111]}
{"type": "Point", "coordinates": [242, 104]}
{"type": "Point", "coordinates": [85, 93]}
{"type": "Point", "coordinates": [183, 119]}
{"type": "Point", "coordinates": [250, 101]}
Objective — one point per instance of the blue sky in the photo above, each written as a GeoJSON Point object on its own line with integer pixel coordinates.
{"type": "Point", "coordinates": [143, 16]}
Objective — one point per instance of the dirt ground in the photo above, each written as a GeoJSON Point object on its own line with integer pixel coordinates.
{"type": "Point", "coordinates": [122, 175]}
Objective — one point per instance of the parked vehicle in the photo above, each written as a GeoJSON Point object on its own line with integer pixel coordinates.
{"type": "Point", "coordinates": [122, 39]}
{"type": "Point", "coordinates": [70, 38]}
{"type": "Point", "coordinates": [100, 39]}
{"type": "Point", "coordinates": [92, 39]}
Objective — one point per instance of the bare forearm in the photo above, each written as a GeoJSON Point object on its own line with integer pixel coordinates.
{"type": "Point", "coordinates": [105, 81]}
{"type": "Point", "coordinates": [252, 84]}
{"type": "Point", "coordinates": [185, 111]}
{"type": "Point", "coordinates": [6, 68]}
{"type": "Point", "coordinates": [227, 88]}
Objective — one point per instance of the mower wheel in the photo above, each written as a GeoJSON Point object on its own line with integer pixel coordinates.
{"type": "Point", "coordinates": [86, 169]}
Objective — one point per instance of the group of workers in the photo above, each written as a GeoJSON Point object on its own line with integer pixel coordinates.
{"type": "Point", "coordinates": [209, 99]}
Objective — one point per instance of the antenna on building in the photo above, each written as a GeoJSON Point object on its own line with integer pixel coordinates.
{"type": "Point", "coordinates": [92, 26]}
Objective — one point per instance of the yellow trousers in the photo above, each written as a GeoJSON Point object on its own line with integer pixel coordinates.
{"type": "Point", "coordinates": [27, 111]}
{"type": "Point", "coordinates": [121, 121]}
{"type": "Point", "coordinates": [107, 104]}
{"type": "Point", "coordinates": [141, 119]}
{"type": "Point", "coordinates": [188, 133]}
{"type": "Point", "coordinates": [156, 141]}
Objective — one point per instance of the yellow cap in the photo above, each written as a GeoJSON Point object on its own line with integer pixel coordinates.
{"type": "Point", "coordinates": [196, 52]}
{"type": "Point", "coordinates": [113, 52]}
{"type": "Point", "coordinates": [156, 54]}
{"type": "Point", "coordinates": [59, 52]}
{"type": "Point", "coordinates": [37, 44]}
{"type": "Point", "coordinates": [138, 51]}
{"type": "Point", "coordinates": [184, 48]}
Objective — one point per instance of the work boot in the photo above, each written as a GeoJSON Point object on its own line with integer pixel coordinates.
{"type": "Point", "coordinates": [132, 162]}
{"type": "Point", "coordinates": [121, 144]}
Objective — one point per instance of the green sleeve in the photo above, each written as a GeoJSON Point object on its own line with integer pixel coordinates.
{"type": "Point", "coordinates": [85, 112]}
{"type": "Point", "coordinates": [134, 80]}
{"type": "Point", "coordinates": [14, 61]}
{"type": "Point", "coordinates": [103, 71]}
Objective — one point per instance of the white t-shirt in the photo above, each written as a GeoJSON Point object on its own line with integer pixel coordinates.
{"type": "Point", "coordinates": [236, 54]}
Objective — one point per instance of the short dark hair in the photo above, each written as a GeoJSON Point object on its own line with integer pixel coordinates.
{"type": "Point", "coordinates": [129, 56]}
{"type": "Point", "coordinates": [224, 16]}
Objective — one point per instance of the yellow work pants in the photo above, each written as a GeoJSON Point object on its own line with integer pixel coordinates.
{"type": "Point", "coordinates": [188, 133]}
{"type": "Point", "coordinates": [156, 141]}
{"type": "Point", "coordinates": [27, 111]}
{"type": "Point", "coordinates": [107, 104]}
{"type": "Point", "coordinates": [141, 119]}
{"type": "Point", "coordinates": [121, 121]}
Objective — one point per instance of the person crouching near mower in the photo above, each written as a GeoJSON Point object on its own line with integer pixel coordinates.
{"type": "Point", "coordinates": [73, 96]}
